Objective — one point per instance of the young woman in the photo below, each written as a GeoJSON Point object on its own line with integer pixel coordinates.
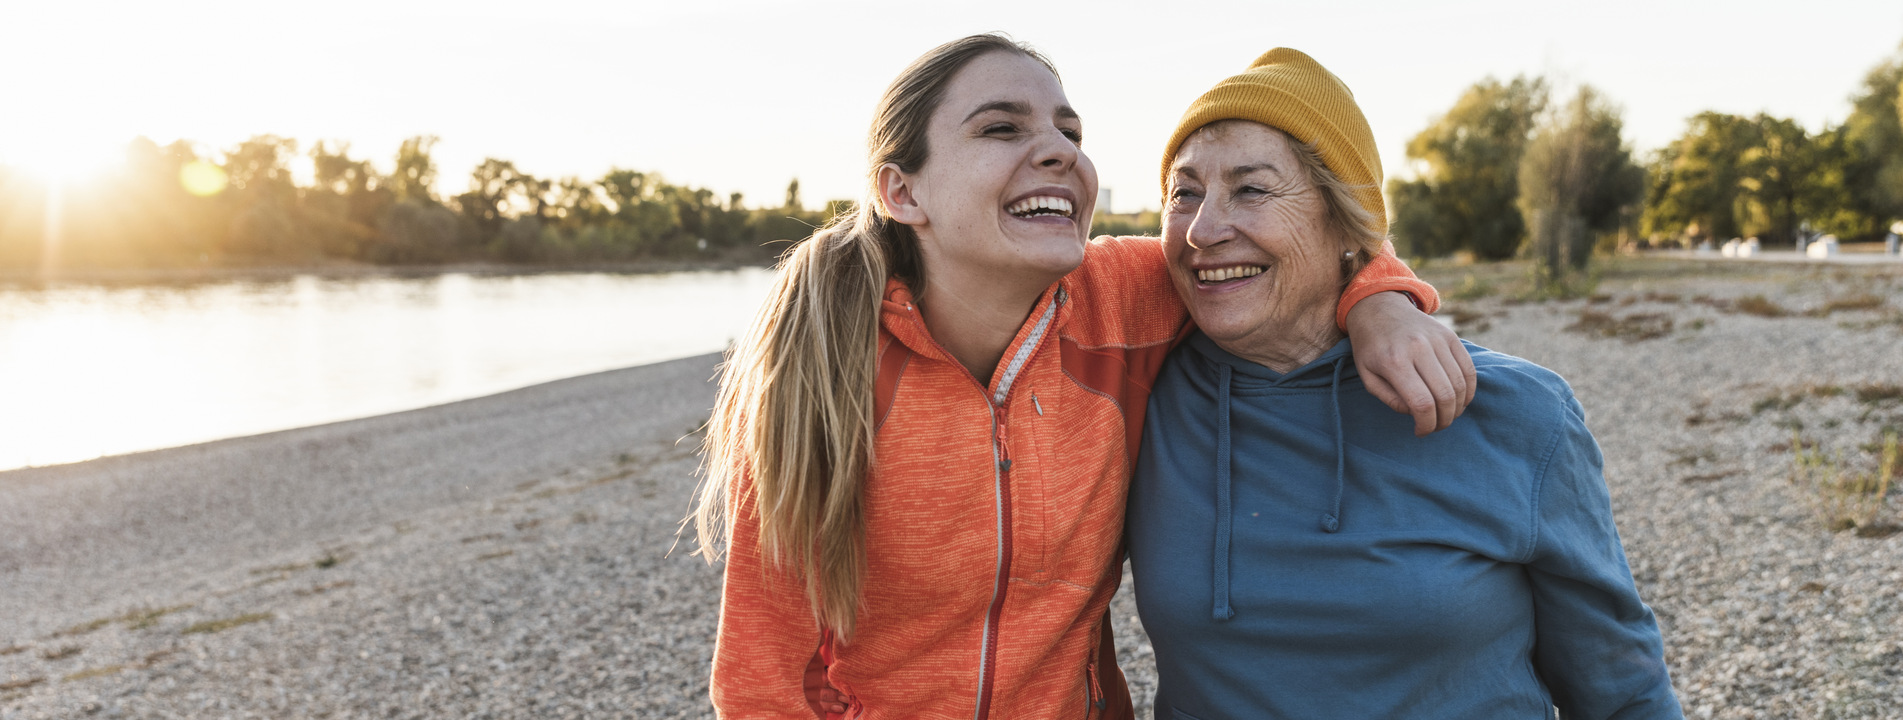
{"type": "Point", "coordinates": [919, 456]}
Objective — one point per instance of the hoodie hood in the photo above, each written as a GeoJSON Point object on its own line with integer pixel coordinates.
{"type": "Point", "coordinates": [1232, 371]}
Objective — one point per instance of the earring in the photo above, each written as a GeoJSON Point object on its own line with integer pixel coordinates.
{"type": "Point", "coordinates": [1348, 255]}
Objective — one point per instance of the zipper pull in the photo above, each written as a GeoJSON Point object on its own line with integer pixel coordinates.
{"type": "Point", "coordinates": [1096, 690]}
{"type": "Point", "coordinates": [1036, 404]}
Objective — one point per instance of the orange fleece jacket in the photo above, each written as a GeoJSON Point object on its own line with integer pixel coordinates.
{"type": "Point", "coordinates": [993, 514]}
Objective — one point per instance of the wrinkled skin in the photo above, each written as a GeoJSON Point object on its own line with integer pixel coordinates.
{"type": "Point", "coordinates": [1240, 205]}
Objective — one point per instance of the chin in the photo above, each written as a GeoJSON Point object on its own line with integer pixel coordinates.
{"type": "Point", "coordinates": [1226, 332]}
{"type": "Point", "coordinates": [1064, 261]}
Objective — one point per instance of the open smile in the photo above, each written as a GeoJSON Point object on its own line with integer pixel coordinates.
{"type": "Point", "coordinates": [1228, 274]}
{"type": "Point", "coordinates": [1041, 206]}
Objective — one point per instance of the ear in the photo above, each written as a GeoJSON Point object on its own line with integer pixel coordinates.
{"type": "Point", "coordinates": [895, 194]}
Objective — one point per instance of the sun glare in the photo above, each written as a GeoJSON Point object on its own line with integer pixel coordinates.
{"type": "Point", "coordinates": [202, 178]}
{"type": "Point", "coordinates": [59, 159]}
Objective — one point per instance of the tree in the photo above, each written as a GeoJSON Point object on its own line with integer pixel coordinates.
{"type": "Point", "coordinates": [793, 196]}
{"type": "Point", "coordinates": [335, 173]}
{"type": "Point", "coordinates": [415, 171]}
{"type": "Point", "coordinates": [1774, 174]}
{"type": "Point", "coordinates": [1468, 180]}
{"type": "Point", "coordinates": [1824, 198]}
{"type": "Point", "coordinates": [1576, 181]}
{"type": "Point", "coordinates": [345, 201]}
{"type": "Point", "coordinates": [576, 204]}
{"type": "Point", "coordinates": [260, 175]}
{"type": "Point", "coordinates": [493, 187]}
{"type": "Point", "coordinates": [1696, 181]}
{"type": "Point", "coordinates": [261, 165]}
{"type": "Point", "coordinates": [1873, 135]}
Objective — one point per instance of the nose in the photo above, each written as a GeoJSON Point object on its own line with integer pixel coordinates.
{"type": "Point", "coordinates": [1055, 151]}
{"type": "Point", "coordinates": [1210, 227]}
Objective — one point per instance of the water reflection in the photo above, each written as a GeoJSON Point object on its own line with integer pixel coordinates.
{"type": "Point", "coordinates": [89, 371]}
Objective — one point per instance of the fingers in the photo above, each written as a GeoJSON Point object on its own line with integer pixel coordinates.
{"type": "Point", "coordinates": [819, 693]}
{"type": "Point", "coordinates": [1395, 378]}
{"type": "Point", "coordinates": [1416, 397]}
{"type": "Point", "coordinates": [1456, 380]}
{"type": "Point", "coordinates": [1437, 410]}
{"type": "Point", "coordinates": [1472, 379]}
{"type": "Point", "coordinates": [1379, 387]}
{"type": "Point", "coordinates": [829, 699]}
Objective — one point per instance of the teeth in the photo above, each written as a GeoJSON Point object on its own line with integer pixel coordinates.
{"type": "Point", "coordinates": [1228, 273]}
{"type": "Point", "coordinates": [1042, 204]}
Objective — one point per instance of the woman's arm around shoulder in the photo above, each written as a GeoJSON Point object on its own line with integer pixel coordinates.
{"type": "Point", "coordinates": [1597, 645]}
{"type": "Point", "coordinates": [1409, 361]}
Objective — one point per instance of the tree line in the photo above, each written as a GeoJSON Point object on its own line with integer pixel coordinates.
{"type": "Point", "coordinates": [1507, 172]}
{"type": "Point", "coordinates": [172, 205]}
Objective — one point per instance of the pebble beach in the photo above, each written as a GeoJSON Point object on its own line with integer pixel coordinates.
{"type": "Point", "coordinates": [517, 556]}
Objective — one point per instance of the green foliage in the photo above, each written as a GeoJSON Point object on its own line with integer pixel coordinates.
{"type": "Point", "coordinates": [1577, 182]}
{"type": "Point", "coordinates": [1148, 222]}
{"type": "Point", "coordinates": [1873, 136]}
{"type": "Point", "coordinates": [415, 170]}
{"type": "Point", "coordinates": [1464, 197]}
{"type": "Point", "coordinates": [1472, 288]}
{"type": "Point", "coordinates": [1774, 173]}
{"type": "Point", "coordinates": [1730, 176]}
{"type": "Point", "coordinates": [144, 215]}
{"type": "Point", "coordinates": [1843, 498]}
{"type": "Point", "coordinates": [1696, 182]}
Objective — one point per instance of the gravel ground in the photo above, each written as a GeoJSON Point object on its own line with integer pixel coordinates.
{"type": "Point", "coordinates": [510, 556]}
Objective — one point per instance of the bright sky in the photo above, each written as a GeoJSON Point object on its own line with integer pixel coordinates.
{"type": "Point", "coordinates": [744, 95]}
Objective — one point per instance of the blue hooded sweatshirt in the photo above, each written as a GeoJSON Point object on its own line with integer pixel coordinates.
{"type": "Point", "coordinates": [1298, 553]}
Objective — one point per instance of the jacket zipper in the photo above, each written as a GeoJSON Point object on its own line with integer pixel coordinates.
{"type": "Point", "coordinates": [987, 665]}
{"type": "Point", "coordinates": [1001, 464]}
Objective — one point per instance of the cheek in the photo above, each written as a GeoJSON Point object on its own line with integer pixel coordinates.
{"type": "Point", "coordinates": [1175, 252]}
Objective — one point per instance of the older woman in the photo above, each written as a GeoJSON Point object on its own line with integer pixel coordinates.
{"type": "Point", "coordinates": [1298, 551]}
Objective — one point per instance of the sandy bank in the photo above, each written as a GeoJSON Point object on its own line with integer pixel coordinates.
{"type": "Point", "coordinates": [86, 535]}
{"type": "Point", "coordinates": [508, 556]}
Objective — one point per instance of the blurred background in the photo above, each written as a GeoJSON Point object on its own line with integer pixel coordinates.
{"type": "Point", "coordinates": [220, 218]}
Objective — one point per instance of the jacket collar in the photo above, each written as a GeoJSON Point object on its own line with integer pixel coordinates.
{"type": "Point", "coordinates": [900, 316]}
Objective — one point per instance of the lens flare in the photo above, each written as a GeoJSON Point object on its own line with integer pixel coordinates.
{"type": "Point", "coordinates": [202, 178]}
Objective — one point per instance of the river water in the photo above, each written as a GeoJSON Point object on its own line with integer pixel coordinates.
{"type": "Point", "coordinates": [88, 371]}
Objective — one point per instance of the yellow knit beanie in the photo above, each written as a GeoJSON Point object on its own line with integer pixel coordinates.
{"type": "Point", "coordinates": [1287, 90]}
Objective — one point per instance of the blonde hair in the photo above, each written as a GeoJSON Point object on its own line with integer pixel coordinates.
{"type": "Point", "coordinates": [1351, 222]}
{"type": "Point", "coordinates": [794, 412]}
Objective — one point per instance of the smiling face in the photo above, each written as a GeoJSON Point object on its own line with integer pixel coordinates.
{"type": "Point", "coordinates": [1250, 247]}
{"type": "Point", "coordinates": [1005, 193]}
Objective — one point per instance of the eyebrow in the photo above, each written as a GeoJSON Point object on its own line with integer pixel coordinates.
{"type": "Point", "coordinates": [1240, 171]}
{"type": "Point", "coordinates": [1064, 112]}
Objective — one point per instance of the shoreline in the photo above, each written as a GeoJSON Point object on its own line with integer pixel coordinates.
{"type": "Point", "coordinates": [262, 435]}
{"type": "Point", "coordinates": [78, 529]}
{"type": "Point", "coordinates": [14, 278]}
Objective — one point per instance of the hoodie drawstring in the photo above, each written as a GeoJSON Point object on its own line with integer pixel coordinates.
{"type": "Point", "coordinates": [1225, 508]}
{"type": "Point", "coordinates": [1221, 611]}
{"type": "Point", "coordinates": [1331, 520]}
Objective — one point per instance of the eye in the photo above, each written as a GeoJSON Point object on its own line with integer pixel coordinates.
{"type": "Point", "coordinates": [1076, 135]}
{"type": "Point", "coordinates": [1181, 195]}
{"type": "Point", "coordinates": [1000, 129]}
